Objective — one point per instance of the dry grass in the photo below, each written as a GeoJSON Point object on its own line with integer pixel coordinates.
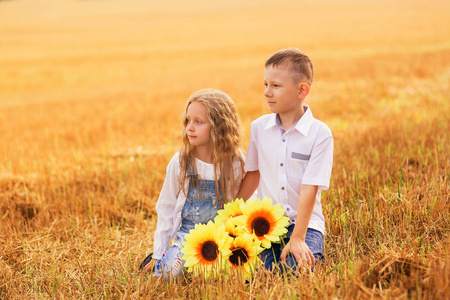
{"type": "Point", "coordinates": [90, 99]}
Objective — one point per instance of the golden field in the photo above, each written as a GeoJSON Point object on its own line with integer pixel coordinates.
{"type": "Point", "coordinates": [91, 96]}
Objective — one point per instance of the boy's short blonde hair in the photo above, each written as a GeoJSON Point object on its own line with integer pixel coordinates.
{"type": "Point", "coordinates": [295, 61]}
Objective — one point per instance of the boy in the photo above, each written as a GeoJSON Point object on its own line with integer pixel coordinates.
{"type": "Point", "coordinates": [289, 157]}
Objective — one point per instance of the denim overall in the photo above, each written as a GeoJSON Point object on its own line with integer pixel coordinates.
{"type": "Point", "coordinates": [195, 210]}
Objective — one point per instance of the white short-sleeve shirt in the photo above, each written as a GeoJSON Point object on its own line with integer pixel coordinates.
{"type": "Point", "coordinates": [171, 200]}
{"type": "Point", "coordinates": [288, 159]}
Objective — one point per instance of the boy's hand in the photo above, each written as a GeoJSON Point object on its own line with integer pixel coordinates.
{"type": "Point", "coordinates": [148, 267]}
{"type": "Point", "coordinates": [300, 251]}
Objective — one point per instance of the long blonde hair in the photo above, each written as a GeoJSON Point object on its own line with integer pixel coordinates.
{"type": "Point", "coordinates": [225, 137]}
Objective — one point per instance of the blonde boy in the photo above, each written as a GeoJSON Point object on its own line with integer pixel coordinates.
{"type": "Point", "coordinates": [289, 159]}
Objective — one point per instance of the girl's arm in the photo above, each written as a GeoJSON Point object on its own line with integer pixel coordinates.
{"type": "Point", "coordinates": [165, 208]}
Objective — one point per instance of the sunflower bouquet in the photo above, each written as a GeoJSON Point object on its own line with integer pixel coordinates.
{"type": "Point", "coordinates": [240, 231]}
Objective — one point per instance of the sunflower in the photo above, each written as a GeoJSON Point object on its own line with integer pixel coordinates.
{"type": "Point", "coordinates": [205, 246]}
{"type": "Point", "coordinates": [265, 220]}
{"type": "Point", "coordinates": [233, 228]}
{"type": "Point", "coordinates": [230, 210]}
{"type": "Point", "coordinates": [244, 254]}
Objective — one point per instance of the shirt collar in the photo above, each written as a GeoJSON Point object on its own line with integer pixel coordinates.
{"type": "Point", "coordinates": [272, 121]}
{"type": "Point", "coordinates": [303, 125]}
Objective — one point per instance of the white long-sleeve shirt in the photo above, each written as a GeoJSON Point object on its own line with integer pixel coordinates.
{"type": "Point", "coordinates": [171, 201]}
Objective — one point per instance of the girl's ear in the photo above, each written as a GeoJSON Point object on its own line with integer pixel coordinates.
{"type": "Point", "coordinates": [303, 90]}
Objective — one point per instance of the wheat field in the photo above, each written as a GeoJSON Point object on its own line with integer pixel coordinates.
{"type": "Point", "coordinates": [91, 96]}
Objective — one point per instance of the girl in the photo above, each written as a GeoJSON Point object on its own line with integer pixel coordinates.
{"type": "Point", "coordinates": [205, 174]}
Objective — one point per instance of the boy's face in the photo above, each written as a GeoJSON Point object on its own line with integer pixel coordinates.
{"type": "Point", "coordinates": [283, 93]}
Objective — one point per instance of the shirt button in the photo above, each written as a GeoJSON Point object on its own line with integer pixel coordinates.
{"type": "Point", "coordinates": [287, 208]}
{"type": "Point", "coordinates": [284, 140]}
{"type": "Point", "coordinates": [282, 188]}
{"type": "Point", "coordinates": [281, 164]}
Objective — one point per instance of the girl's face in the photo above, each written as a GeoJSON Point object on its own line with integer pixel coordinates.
{"type": "Point", "coordinates": [198, 127]}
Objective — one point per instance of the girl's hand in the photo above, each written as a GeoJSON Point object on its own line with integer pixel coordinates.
{"type": "Point", "coordinates": [148, 267]}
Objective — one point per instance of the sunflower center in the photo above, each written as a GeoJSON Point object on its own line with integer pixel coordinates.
{"type": "Point", "coordinates": [239, 256]}
{"type": "Point", "coordinates": [210, 250]}
{"type": "Point", "coordinates": [261, 226]}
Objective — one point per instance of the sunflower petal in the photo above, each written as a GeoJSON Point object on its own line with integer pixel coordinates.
{"type": "Point", "coordinates": [191, 261]}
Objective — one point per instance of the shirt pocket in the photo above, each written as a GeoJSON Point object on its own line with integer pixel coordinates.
{"type": "Point", "coordinates": [299, 156]}
{"type": "Point", "coordinates": [298, 161]}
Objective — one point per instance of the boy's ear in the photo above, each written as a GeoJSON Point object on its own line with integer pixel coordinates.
{"type": "Point", "coordinates": [303, 90]}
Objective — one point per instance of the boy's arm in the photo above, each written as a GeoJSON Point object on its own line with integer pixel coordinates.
{"type": "Point", "coordinates": [297, 245]}
{"type": "Point", "coordinates": [249, 185]}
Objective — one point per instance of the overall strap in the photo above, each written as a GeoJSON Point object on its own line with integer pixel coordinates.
{"type": "Point", "coordinates": [192, 175]}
